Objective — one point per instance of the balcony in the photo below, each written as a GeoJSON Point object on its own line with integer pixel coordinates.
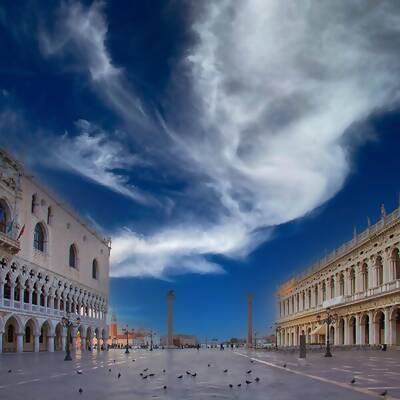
{"type": "Point", "coordinates": [8, 244]}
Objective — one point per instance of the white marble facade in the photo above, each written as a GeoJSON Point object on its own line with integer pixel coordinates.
{"type": "Point", "coordinates": [52, 264]}
{"type": "Point", "coordinates": [360, 284]}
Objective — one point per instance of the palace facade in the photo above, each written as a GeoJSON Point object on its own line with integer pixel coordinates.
{"type": "Point", "coordinates": [52, 264]}
{"type": "Point", "coordinates": [359, 283]}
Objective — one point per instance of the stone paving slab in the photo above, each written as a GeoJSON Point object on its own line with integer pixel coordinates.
{"type": "Point", "coordinates": [46, 376]}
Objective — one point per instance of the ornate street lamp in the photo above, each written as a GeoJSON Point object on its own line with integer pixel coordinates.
{"type": "Point", "coordinates": [330, 319]}
{"type": "Point", "coordinates": [277, 331]}
{"type": "Point", "coordinates": [127, 332]}
{"type": "Point", "coordinates": [69, 322]}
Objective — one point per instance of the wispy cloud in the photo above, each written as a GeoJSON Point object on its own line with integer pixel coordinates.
{"type": "Point", "coordinates": [79, 36]}
{"type": "Point", "coordinates": [262, 127]}
{"type": "Point", "coordinates": [93, 154]}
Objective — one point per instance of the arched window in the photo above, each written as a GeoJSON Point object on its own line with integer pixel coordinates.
{"type": "Point", "coordinates": [95, 269]}
{"type": "Point", "coordinates": [379, 271]}
{"type": "Point", "coordinates": [39, 237]}
{"type": "Point", "coordinates": [34, 203]}
{"type": "Point", "coordinates": [49, 215]}
{"type": "Point", "coordinates": [341, 285]}
{"type": "Point", "coordinates": [10, 333]}
{"type": "Point", "coordinates": [332, 288]}
{"type": "Point", "coordinates": [323, 291]}
{"type": "Point", "coordinates": [365, 277]}
{"type": "Point", "coordinates": [352, 281]}
{"type": "Point", "coordinates": [4, 216]}
{"type": "Point", "coordinates": [72, 256]}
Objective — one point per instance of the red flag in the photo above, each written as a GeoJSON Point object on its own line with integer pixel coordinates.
{"type": "Point", "coordinates": [21, 232]}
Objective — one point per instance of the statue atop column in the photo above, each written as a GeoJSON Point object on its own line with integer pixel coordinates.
{"type": "Point", "coordinates": [170, 336]}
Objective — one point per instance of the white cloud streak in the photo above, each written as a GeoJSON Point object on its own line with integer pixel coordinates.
{"type": "Point", "coordinates": [276, 87]}
{"type": "Point", "coordinates": [95, 156]}
{"type": "Point", "coordinates": [81, 33]}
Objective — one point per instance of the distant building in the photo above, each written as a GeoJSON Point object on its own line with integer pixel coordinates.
{"type": "Point", "coordinates": [181, 340]}
{"type": "Point", "coordinates": [138, 337]}
{"type": "Point", "coordinates": [359, 283]}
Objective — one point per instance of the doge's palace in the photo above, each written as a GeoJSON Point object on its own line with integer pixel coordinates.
{"type": "Point", "coordinates": [52, 264]}
{"type": "Point", "coordinates": [359, 283]}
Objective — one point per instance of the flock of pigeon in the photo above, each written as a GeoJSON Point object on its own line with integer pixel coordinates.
{"type": "Point", "coordinates": [145, 374]}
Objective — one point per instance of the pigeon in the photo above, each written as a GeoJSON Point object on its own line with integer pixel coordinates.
{"type": "Point", "coordinates": [284, 365]}
{"type": "Point", "coordinates": [239, 384]}
{"type": "Point", "coordinates": [80, 390]}
{"type": "Point", "coordinates": [165, 387]}
{"type": "Point", "coordinates": [9, 371]}
{"type": "Point", "coordinates": [257, 379]}
{"type": "Point", "coordinates": [194, 375]}
{"type": "Point", "coordinates": [249, 371]}
{"type": "Point", "coordinates": [151, 374]}
{"type": "Point", "coordinates": [79, 372]}
{"type": "Point", "coordinates": [133, 360]}
{"type": "Point", "coordinates": [141, 374]}
{"type": "Point", "coordinates": [145, 370]}
{"type": "Point", "coordinates": [188, 373]}
{"type": "Point", "coordinates": [119, 375]}
{"type": "Point", "coordinates": [180, 376]}
{"type": "Point", "coordinates": [384, 393]}
{"type": "Point", "coordinates": [252, 361]}
{"type": "Point", "coordinates": [230, 385]}
{"type": "Point", "coordinates": [109, 369]}
{"type": "Point", "coordinates": [353, 381]}
{"type": "Point", "coordinates": [209, 365]}
{"type": "Point", "coordinates": [145, 377]}
{"type": "Point", "coordinates": [163, 371]}
{"type": "Point", "coordinates": [248, 382]}
{"type": "Point", "coordinates": [114, 361]}
{"type": "Point", "coordinates": [225, 370]}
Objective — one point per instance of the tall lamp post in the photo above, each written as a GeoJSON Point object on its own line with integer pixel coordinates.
{"type": "Point", "coordinates": [151, 339]}
{"type": "Point", "coordinates": [277, 331]}
{"type": "Point", "coordinates": [69, 322]}
{"type": "Point", "coordinates": [127, 332]}
{"type": "Point", "coordinates": [330, 319]}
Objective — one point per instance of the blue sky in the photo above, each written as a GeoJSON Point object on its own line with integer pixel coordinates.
{"type": "Point", "coordinates": [222, 145]}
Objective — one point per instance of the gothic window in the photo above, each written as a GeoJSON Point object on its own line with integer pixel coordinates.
{"type": "Point", "coordinates": [49, 215]}
{"type": "Point", "coordinates": [3, 216]}
{"type": "Point", "coordinates": [34, 203]}
{"type": "Point", "coordinates": [94, 269]}
{"type": "Point", "coordinates": [332, 288]}
{"type": "Point", "coordinates": [72, 256]}
{"type": "Point", "coordinates": [379, 271]}
{"type": "Point", "coordinates": [323, 291]}
{"type": "Point", "coordinates": [39, 237]}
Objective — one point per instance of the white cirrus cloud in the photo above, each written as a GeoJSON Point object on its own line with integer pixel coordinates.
{"type": "Point", "coordinates": [264, 126]}
{"type": "Point", "coordinates": [80, 33]}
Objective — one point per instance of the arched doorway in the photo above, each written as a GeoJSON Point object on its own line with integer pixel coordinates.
{"type": "Point", "coordinates": [43, 338]}
{"type": "Point", "coordinates": [395, 326]}
{"type": "Point", "coordinates": [96, 341]}
{"type": "Point", "coordinates": [29, 335]}
{"type": "Point", "coordinates": [365, 329]}
{"type": "Point", "coordinates": [58, 338]}
{"type": "Point", "coordinates": [332, 335]}
{"type": "Point", "coordinates": [10, 339]}
{"type": "Point", "coordinates": [89, 334]}
{"type": "Point", "coordinates": [380, 327]}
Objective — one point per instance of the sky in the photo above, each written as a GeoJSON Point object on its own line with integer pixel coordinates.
{"type": "Point", "coordinates": [224, 146]}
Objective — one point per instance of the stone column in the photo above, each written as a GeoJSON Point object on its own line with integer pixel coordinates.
{"type": "Point", "coordinates": [36, 344]}
{"type": "Point", "coordinates": [21, 296]}
{"type": "Point", "coordinates": [20, 342]}
{"type": "Point", "coordinates": [386, 311]}
{"type": "Point", "coordinates": [346, 330]}
{"type": "Point", "coordinates": [1, 342]}
{"type": "Point", "coordinates": [1, 294]}
{"type": "Point", "coordinates": [12, 287]}
{"type": "Point", "coordinates": [63, 342]}
{"type": "Point", "coordinates": [170, 336]}
{"type": "Point", "coordinates": [371, 333]}
{"type": "Point", "coordinates": [50, 343]}
{"type": "Point", "coordinates": [358, 330]}
{"type": "Point", "coordinates": [337, 334]}
{"type": "Point", "coordinates": [250, 298]}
